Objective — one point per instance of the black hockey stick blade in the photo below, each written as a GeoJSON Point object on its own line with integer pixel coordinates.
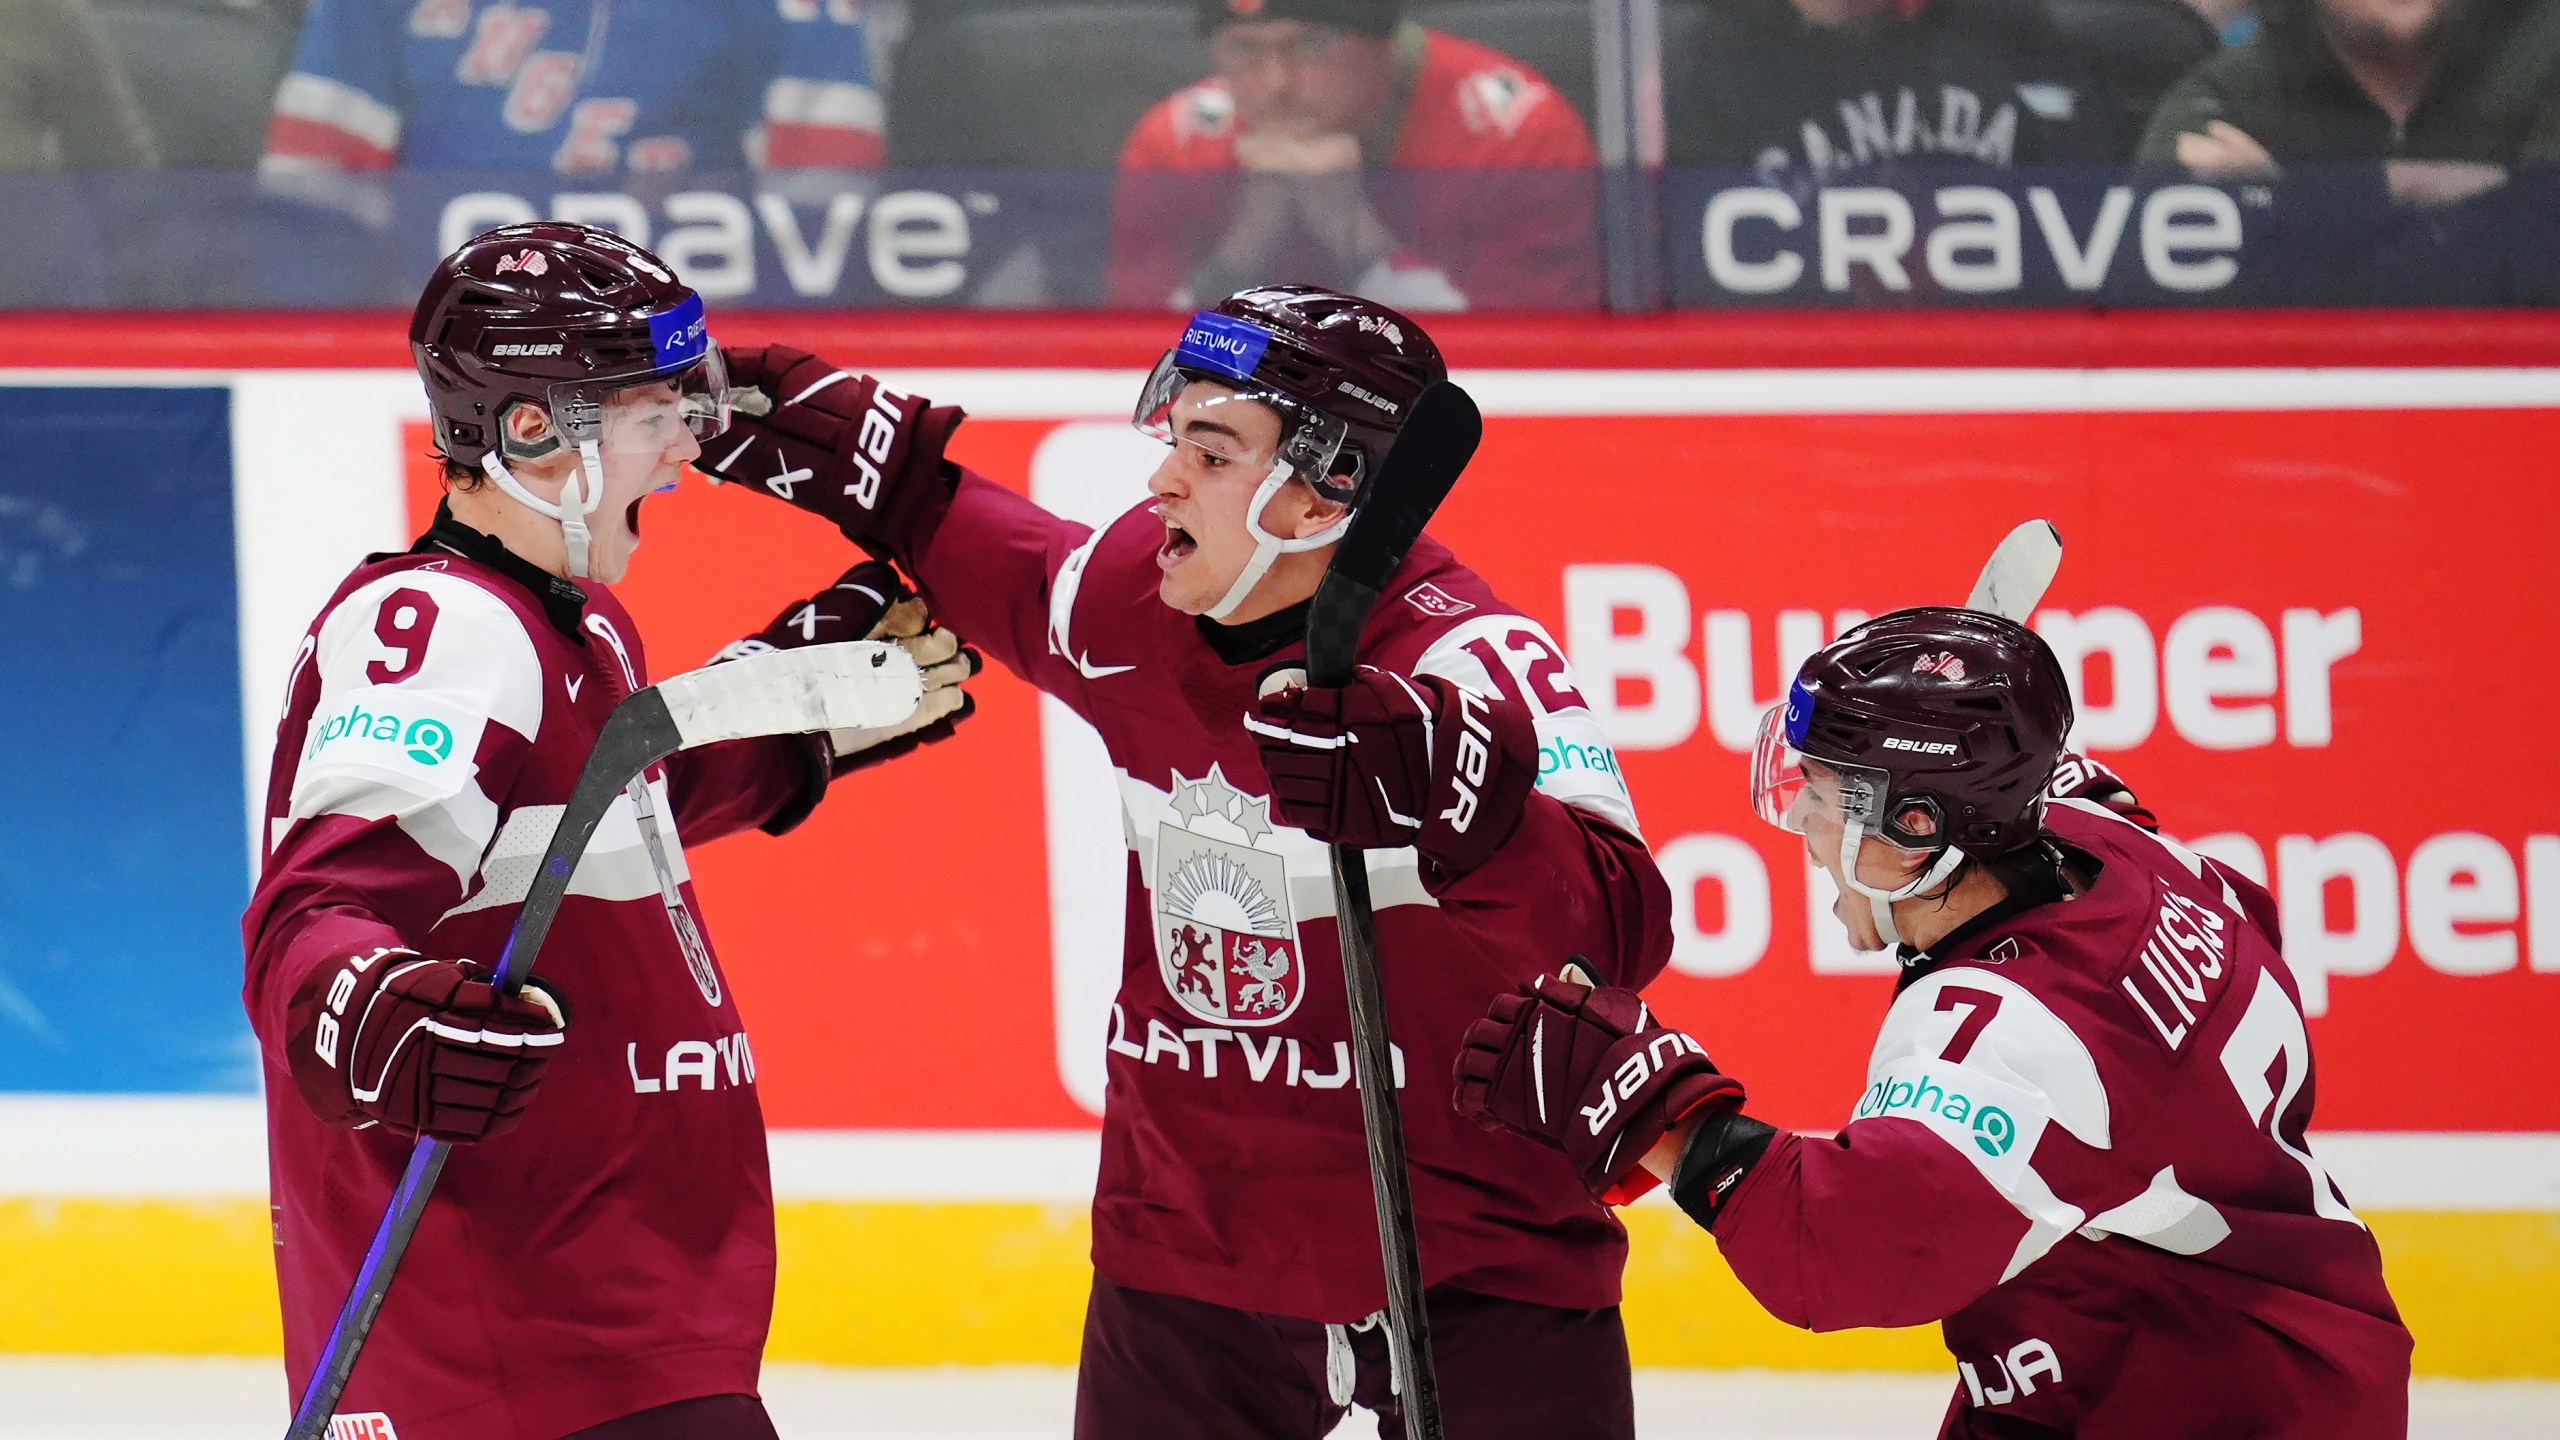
{"type": "Point", "coordinates": [1432, 448]}
{"type": "Point", "coordinates": [637, 735]}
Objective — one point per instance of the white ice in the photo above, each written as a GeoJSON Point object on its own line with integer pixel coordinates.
{"type": "Point", "coordinates": [46, 1399]}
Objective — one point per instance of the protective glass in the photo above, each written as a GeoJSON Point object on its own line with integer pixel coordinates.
{"type": "Point", "coordinates": [640, 414]}
{"type": "Point", "coordinates": [1310, 440]}
{"type": "Point", "coordinates": [1784, 793]}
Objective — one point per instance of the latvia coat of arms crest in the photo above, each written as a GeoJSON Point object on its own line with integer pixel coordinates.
{"type": "Point", "coordinates": [1225, 941]}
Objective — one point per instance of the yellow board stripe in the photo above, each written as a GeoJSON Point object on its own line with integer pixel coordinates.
{"type": "Point", "coordinates": [1003, 1283]}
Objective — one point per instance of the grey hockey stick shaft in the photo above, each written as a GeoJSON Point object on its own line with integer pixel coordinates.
{"type": "Point", "coordinates": [823, 687]}
{"type": "Point", "coordinates": [1439, 436]}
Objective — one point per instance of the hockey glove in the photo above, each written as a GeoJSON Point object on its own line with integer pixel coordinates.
{"type": "Point", "coordinates": [839, 445]}
{"type": "Point", "coordinates": [2077, 777]}
{"type": "Point", "coordinates": [420, 1046]}
{"type": "Point", "coordinates": [1391, 760]}
{"type": "Point", "coordinates": [870, 602]}
{"type": "Point", "coordinates": [1590, 1072]}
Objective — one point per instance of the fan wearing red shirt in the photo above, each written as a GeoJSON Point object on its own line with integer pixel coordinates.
{"type": "Point", "coordinates": [1339, 144]}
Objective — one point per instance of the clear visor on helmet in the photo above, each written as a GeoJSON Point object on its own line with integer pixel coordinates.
{"type": "Point", "coordinates": [643, 414]}
{"type": "Point", "coordinates": [1310, 440]}
{"type": "Point", "coordinates": [1787, 790]}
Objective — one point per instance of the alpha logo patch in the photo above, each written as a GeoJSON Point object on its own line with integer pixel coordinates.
{"type": "Point", "coordinates": [1226, 943]}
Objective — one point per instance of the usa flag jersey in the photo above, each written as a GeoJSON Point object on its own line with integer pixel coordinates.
{"type": "Point", "coordinates": [578, 87]}
{"type": "Point", "coordinates": [614, 1252]}
{"type": "Point", "coordinates": [2081, 1147]}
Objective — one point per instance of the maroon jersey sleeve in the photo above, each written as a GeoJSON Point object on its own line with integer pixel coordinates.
{"type": "Point", "coordinates": [996, 570]}
{"type": "Point", "coordinates": [1882, 1225]}
{"type": "Point", "coordinates": [417, 698]}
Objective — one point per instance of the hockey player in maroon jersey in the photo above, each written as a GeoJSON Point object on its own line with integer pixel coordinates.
{"type": "Point", "coordinates": [2081, 1142]}
{"type": "Point", "coordinates": [1235, 1241]}
{"type": "Point", "coordinates": [599, 1259]}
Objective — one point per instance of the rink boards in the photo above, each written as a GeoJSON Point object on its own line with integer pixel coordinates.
{"type": "Point", "coordinates": [2303, 602]}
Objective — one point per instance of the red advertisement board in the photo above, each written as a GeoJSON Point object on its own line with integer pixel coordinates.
{"type": "Point", "coordinates": [2313, 639]}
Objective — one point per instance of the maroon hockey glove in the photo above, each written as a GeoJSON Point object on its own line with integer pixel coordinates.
{"type": "Point", "coordinates": [1391, 760]}
{"type": "Point", "coordinates": [420, 1046]}
{"type": "Point", "coordinates": [838, 444]}
{"type": "Point", "coordinates": [2077, 777]}
{"type": "Point", "coordinates": [1587, 1071]}
{"type": "Point", "coordinates": [871, 602]}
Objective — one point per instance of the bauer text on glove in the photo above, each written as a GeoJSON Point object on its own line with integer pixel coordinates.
{"type": "Point", "coordinates": [1587, 1071]}
{"type": "Point", "coordinates": [840, 445]}
{"type": "Point", "coordinates": [1390, 760]}
{"type": "Point", "coordinates": [420, 1046]}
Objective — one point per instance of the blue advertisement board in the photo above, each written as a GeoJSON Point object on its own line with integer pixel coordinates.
{"type": "Point", "coordinates": [125, 863]}
{"type": "Point", "coordinates": [1907, 234]}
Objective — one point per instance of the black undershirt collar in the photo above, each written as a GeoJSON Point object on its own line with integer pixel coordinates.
{"type": "Point", "coordinates": [1255, 639]}
{"type": "Point", "coordinates": [562, 601]}
{"type": "Point", "coordinates": [2042, 886]}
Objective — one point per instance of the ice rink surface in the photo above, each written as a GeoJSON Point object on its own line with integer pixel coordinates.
{"type": "Point", "coordinates": [242, 1400]}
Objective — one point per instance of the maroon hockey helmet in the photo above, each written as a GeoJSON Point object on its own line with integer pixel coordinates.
{"type": "Point", "coordinates": [556, 315]}
{"type": "Point", "coordinates": [1944, 724]}
{"type": "Point", "coordinates": [1341, 371]}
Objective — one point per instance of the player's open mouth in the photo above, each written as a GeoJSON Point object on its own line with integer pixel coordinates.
{"type": "Point", "coordinates": [1178, 546]}
{"type": "Point", "coordinates": [631, 517]}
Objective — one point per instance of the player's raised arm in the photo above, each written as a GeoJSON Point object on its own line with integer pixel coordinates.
{"type": "Point", "coordinates": [869, 459]}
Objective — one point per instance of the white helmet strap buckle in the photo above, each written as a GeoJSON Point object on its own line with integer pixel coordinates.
{"type": "Point", "coordinates": [575, 503]}
{"type": "Point", "coordinates": [1880, 902]}
{"type": "Point", "coordinates": [1268, 547]}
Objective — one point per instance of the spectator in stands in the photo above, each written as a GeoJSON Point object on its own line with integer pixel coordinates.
{"type": "Point", "coordinates": [1807, 90]}
{"type": "Point", "coordinates": [65, 103]}
{"type": "Point", "coordinates": [1338, 144]}
{"type": "Point", "coordinates": [576, 87]}
{"type": "Point", "coordinates": [2446, 93]}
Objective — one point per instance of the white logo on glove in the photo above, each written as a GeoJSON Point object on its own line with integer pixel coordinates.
{"type": "Point", "coordinates": [1634, 1071]}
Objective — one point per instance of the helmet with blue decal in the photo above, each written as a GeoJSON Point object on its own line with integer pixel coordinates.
{"type": "Point", "coordinates": [1340, 372]}
{"type": "Point", "coordinates": [1934, 729]}
{"type": "Point", "coordinates": [558, 317]}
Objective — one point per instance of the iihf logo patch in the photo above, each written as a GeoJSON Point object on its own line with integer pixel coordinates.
{"type": "Point", "coordinates": [1430, 599]}
{"type": "Point", "coordinates": [371, 1425]}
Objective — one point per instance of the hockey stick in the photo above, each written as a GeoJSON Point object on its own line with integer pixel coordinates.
{"type": "Point", "coordinates": [856, 685]}
{"type": "Point", "coordinates": [2021, 566]}
{"type": "Point", "coordinates": [1439, 436]}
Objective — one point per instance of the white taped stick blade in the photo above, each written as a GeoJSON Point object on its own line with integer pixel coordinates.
{"type": "Point", "coordinates": [2014, 579]}
{"type": "Point", "coordinates": [855, 685]}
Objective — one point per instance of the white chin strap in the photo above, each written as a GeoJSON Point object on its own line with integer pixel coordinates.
{"type": "Point", "coordinates": [1880, 902]}
{"type": "Point", "coordinates": [575, 503]}
{"type": "Point", "coordinates": [1268, 547]}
